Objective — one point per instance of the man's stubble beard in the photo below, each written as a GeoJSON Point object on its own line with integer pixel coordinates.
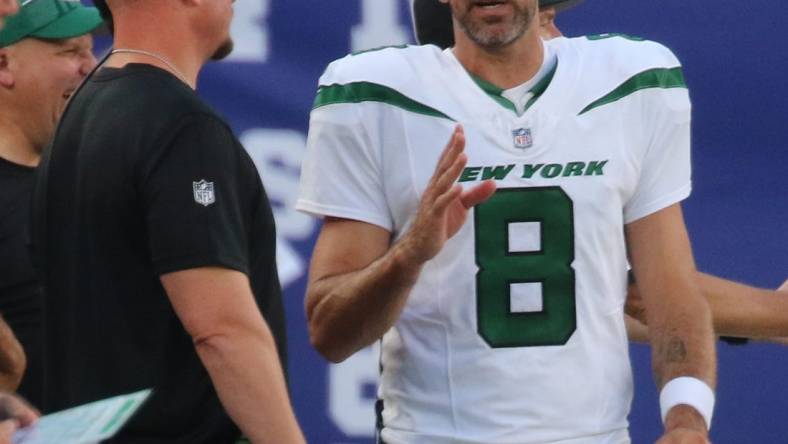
{"type": "Point", "coordinates": [521, 21]}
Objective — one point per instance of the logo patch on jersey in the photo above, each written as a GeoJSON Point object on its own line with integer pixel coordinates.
{"type": "Point", "coordinates": [522, 138]}
{"type": "Point", "coordinates": [203, 192]}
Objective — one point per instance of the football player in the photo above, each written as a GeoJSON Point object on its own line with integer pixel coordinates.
{"type": "Point", "coordinates": [495, 271]}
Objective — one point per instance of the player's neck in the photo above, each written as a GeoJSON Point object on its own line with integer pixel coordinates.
{"type": "Point", "coordinates": [505, 67]}
{"type": "Point", "coordinates": [15, 146]}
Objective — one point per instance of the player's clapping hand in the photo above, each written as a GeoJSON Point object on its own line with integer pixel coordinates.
{"type": "Point", "coordinates": [444, 205]}
{"type": "Point", "coordinates": [14, 413]}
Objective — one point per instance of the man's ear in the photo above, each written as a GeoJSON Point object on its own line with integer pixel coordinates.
{"type": "Point", "coordinates": [6, 76]}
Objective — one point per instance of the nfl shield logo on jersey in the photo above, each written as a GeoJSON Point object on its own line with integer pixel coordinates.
{"type": "Point", "coordinates": [203, 192]}
{"type": "Point", "coordinates": [522, 138]}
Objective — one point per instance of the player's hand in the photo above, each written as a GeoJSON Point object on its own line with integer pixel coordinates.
{"type": "Point", "coordinates": [684, 425]}
{"type": "Point", "coordinates": [444, 205]}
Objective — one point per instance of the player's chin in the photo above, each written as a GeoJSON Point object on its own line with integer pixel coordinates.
{"type": "Point", "coordinates": [495, 38]}
{"type": "Point", "coordinates": [224, 50]}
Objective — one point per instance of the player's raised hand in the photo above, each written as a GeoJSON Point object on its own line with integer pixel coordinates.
{"type": "Point", "coordinates": [444, 205]}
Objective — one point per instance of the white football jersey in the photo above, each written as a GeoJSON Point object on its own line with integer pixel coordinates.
{"type": "Point", "coordinates": [514, 333]}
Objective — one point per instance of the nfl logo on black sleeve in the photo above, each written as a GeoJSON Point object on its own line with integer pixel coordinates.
{"type": "Point", "coordinates": [522, 138]}
{"type": "Point", "coordinates": [203, 192]}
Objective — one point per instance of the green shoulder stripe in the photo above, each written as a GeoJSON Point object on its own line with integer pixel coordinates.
{"type": "Point", "coordinates": [358, 92]}
{"type": "Point", "coordinates": [653, 78]}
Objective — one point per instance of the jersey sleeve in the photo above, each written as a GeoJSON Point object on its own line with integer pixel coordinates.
{"type": "Point", "coordinates": [665, 167]}
{"type": "Point", "coordinates": [192, 192]}
{"type": "Point", "coordinates": [342, 173]}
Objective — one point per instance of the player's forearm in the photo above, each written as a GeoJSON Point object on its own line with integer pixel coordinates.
{"type": "Point", "coordinates": [245, 370]}
{"type": "Point", "coordinates": [682, 335]}
{"type": "Point", "coordinates": [683, 345]}
{"type": "Point", "coordinates": [745, 311]}
{"type": "Point", "coordinates": [351, 311]}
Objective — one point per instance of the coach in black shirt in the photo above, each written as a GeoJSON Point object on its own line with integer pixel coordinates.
{"type": "Point", "coordinates": [158, 244]}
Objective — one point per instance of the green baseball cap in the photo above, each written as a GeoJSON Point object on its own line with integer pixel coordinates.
{"type": "Point", "coordinates": [49, 19]}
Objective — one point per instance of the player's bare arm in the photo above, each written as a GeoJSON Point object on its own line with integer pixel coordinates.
{"type": "Point", "coordinates": [737, 309]}
{"type": "Point", "coordinates": [679, 318]}
{"type": "Point", "coordinates": [234, 343]}
{"type": "Point", "coordinates": [359, 282]}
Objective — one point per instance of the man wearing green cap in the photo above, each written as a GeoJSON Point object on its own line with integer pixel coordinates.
{"type": "Point", "coordinates": [45, 52]}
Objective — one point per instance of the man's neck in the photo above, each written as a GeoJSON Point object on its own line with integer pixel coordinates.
{"type": "Point", "coordinates": [16, 146]}
{"type": "Point", "coordinates": [505, 67]}
{"type": "Point", "coordinates": [177, 58]}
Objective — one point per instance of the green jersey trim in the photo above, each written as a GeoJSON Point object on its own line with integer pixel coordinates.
{"type": "Point", "coordinates": [611, 35]}
{"type": "Point", "coordinates": [653, 78]}
{"type": "Point", "coordinates": [358, 92]}
{"type": "Point", "coordinates": [496, 92]}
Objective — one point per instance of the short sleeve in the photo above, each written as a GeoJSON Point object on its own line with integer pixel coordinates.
{"type": "Point", "coordinates": [194, 199]}
{"type": "Point", "coordinates": [665, 171]}
{"type": "Point", "coordinates": [341, 175]}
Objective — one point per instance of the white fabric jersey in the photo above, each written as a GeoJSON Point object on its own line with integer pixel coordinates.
{"type": "Point", "coordinates": [514, 333]}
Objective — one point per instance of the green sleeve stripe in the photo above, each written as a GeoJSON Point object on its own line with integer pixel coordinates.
{"type": "Point", "coordinates": [653, 78]}
{"type": "Point", "coordinates": [358, 92]}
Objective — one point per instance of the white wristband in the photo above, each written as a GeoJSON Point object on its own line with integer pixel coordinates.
{"type": "Point", "coordinates": [688, 391]}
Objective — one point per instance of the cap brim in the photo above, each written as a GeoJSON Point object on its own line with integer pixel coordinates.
{"type": "Point", "coordinates": [73, 24]}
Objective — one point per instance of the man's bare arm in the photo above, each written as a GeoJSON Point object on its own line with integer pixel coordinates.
{"type": "Point", "coordinates": [737, 309]}
{"type": "Point", "coordinates": [745, 311]}
{"type": "Point", "coordinates": [357, 286]}
{"type": "Point", "coordinates": [12, 359]}
{"type": "Point", "coordinates": [359, 283]}
{"type": "Point", "coordinates": [679, 318]}
{"type": "Point", "coordinates": [237, 348]}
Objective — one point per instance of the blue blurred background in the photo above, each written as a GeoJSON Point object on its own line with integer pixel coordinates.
{"type": "Point", "coordinates": [735, 63]}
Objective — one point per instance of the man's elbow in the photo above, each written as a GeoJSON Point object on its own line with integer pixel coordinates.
{"type": "Point", "coordinates": [327, 344]}
{"type": "Point", "coordinates": [12, 369]}
{"type": "Point", "coordinates": [224, 341]}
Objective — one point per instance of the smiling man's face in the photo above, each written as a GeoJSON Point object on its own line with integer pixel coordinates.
{"type": "Point", "coordinates": [40, 77]}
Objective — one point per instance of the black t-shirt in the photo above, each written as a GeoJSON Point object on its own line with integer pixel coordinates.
{"type": "Point", "coordinates": [21, 294]}
{"type": "Point", "coordinates": [143, 179]}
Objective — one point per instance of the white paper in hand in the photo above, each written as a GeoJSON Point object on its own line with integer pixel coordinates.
{"type": "Point", "coordinates": [85, 424]}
